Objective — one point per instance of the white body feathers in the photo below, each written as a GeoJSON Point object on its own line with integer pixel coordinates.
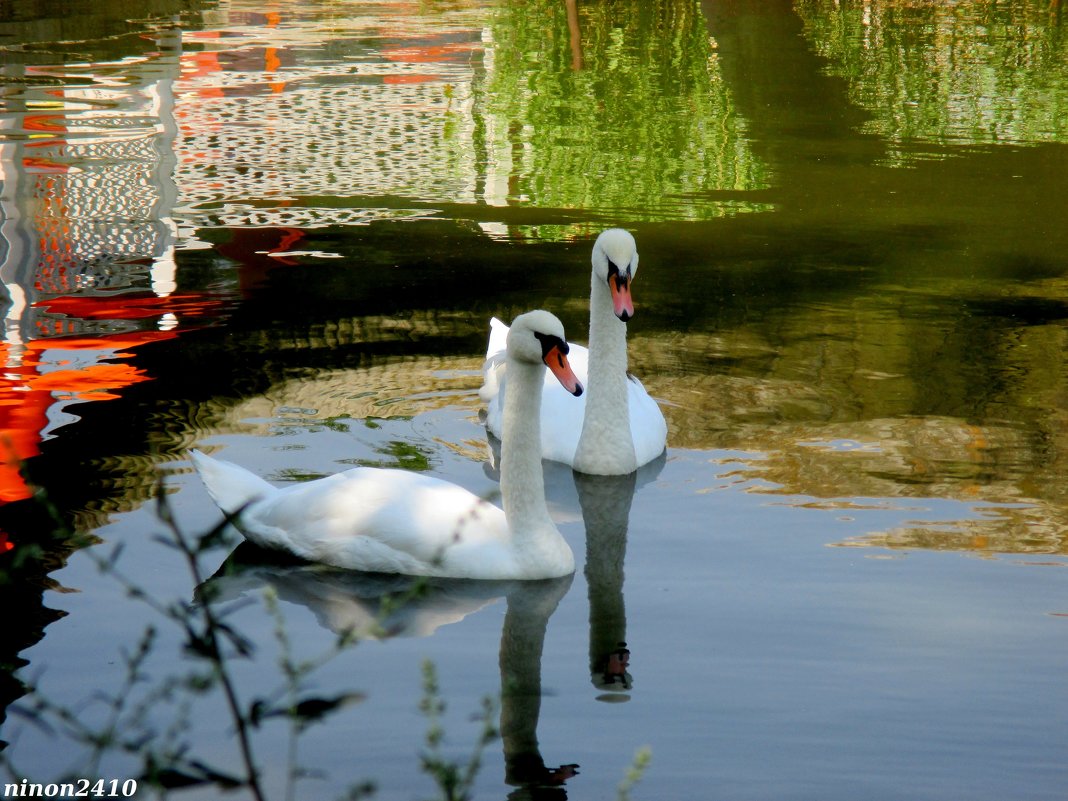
{"type": "Point", "coordinates": [395, 521]}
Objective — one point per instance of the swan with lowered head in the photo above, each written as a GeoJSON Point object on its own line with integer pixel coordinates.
{"type": "Point", "coordinates": [392, 521]}
{"type": "Point", "coordinates": [617, 427]}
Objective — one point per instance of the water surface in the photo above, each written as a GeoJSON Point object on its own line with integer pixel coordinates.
{"type": "Point", "coordinates": [279, 235]}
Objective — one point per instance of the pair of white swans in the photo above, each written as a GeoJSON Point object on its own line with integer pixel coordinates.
{"type": "Point", "coordinates": [393, 521]}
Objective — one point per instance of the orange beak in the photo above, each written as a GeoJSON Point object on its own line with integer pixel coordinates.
{"type": "Point", "coordinates": [621, 300]}
{"type": "Point", "coordinates": [556, 361]}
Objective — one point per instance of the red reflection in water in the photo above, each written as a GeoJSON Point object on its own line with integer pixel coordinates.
{"type": "Point", "coordinates": [130, 306]}
{"type": "Point", "coordinates": [60, 364]}
{"type": "Point", "coordinates": [426, 53]}
{"type": "Point", "coordinates": [37, 377]}
{"type": "Point", "coordinates": [455, 52]}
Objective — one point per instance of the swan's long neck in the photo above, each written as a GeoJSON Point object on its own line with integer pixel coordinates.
{"type": "Point", "coordinates": [522, 485]}
{"type": "Point", "coordinates": [606, 445]}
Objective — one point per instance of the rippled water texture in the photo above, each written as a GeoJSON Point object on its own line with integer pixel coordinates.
{"type": "Point", "coordinates": [277, 232]}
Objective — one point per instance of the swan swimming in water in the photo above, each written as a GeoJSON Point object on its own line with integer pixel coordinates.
{"type": "Point", "coordinates": [393, 521]}
{"type": "Point", "coordinates": [618, 426]}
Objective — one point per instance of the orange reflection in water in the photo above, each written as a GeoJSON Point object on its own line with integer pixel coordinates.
{"type": "Point", "coordinates": [59, 367]}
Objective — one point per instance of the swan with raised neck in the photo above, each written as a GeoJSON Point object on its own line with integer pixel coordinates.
{"type": "Point", "coordinates": [617, 426]}
{"type": "Point", "coordinates": [606, 444]}
{"type": "Point", "coordinates": [394, 521]}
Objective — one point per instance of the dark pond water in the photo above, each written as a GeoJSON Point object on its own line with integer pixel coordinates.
{"type": "Point", "coordinates": [279, 234]}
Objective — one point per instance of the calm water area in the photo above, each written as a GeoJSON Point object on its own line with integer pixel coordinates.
{"type": "Point", "coordinates": [276, 231]}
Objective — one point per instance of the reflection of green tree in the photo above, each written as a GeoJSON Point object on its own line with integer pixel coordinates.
{"type": "Point", "coordinates": [949, 388]}
{"type": "Point", "coordinates": [960, 72]}
{"type": "Point", "coordinates": [644, 123]}
{"type": "Point", "coordinates": [403, 455]}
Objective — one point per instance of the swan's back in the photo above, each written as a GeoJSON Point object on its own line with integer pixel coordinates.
{"type": "Point", "coordinates": [414, 513]}
{"type": "Point", "coordinates": [371, 519]}
{"type": "Point", "coordinates": [648, 426]}
{"type": "Point", "coordinates": [562, 415]}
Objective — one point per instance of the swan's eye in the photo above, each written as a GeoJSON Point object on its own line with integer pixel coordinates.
{"type": "Point", "coordinates": [617, 277]}
{"type": "Point", "coordinates": [548, 342]}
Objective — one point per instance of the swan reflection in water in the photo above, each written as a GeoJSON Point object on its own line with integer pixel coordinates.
{"type": "Point", "coordinates": [366, 605]}
{"type": "Point", "coordinates": [604, 503]}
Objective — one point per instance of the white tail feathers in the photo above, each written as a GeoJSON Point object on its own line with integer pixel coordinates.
{"type": "Point", "coordinates": [231, 487]}
{"type": "Point", "coordinates": [498, 338]}
{"type": "Point", "coordinates": [495, 360]}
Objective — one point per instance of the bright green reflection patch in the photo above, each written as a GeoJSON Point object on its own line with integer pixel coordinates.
{"type": "Point", "coordinates": [954, 73]}
{"type": "Point", "coordinates": [620, 108]}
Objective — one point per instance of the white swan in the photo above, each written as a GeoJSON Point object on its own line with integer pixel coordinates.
{"type": "Point", "coordinates": [392, 521]}
{"type": "Point", "coordinates": [618, 426]}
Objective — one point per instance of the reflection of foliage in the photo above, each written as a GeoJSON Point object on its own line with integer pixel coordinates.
{"type": "Point", "coordinates": [965, 72]}
{"type": "Point", "coordinates": [299, 476]}
{"type": "Point", "coordinates": [404, 455]}
{"type": "Point", "coordinates": [946, 388]}
{"type": "Point", "coordinates": [399, 454]}
{"type": "Point", "coordinates": [642, 125]}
